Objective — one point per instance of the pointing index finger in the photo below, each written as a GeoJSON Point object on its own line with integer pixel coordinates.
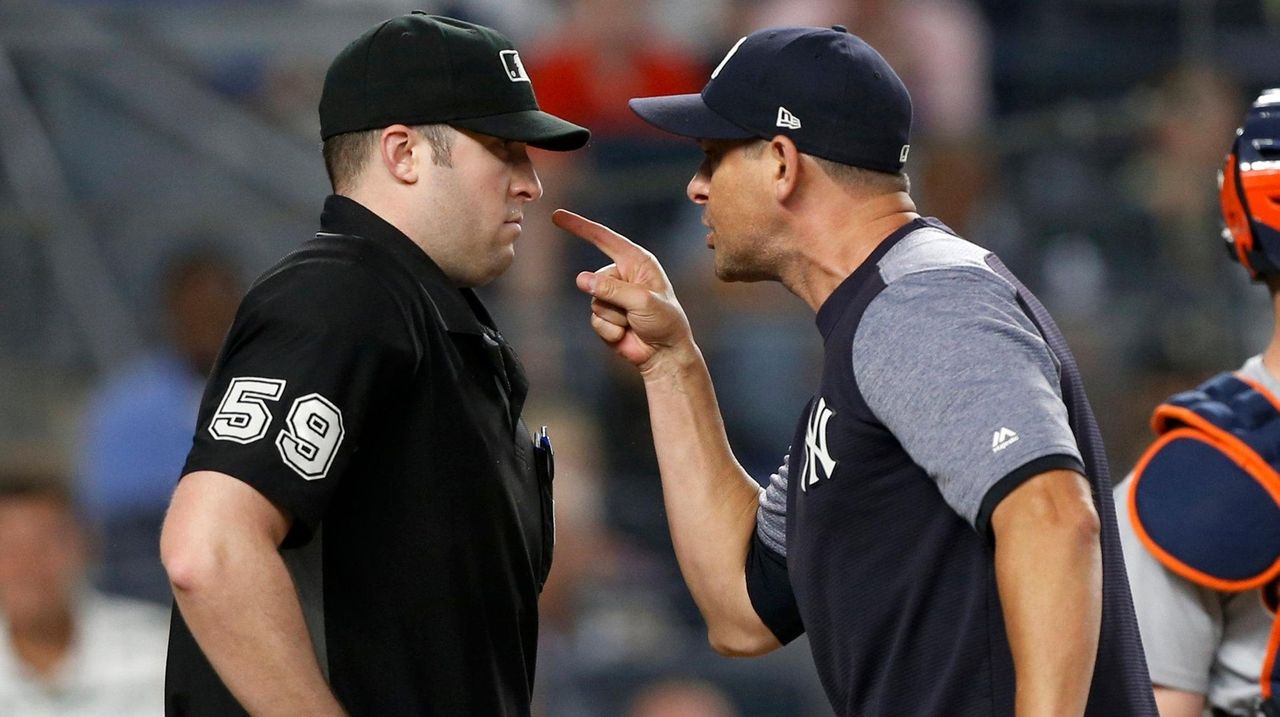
{"type": "Point", "coordinates": [613, 244]}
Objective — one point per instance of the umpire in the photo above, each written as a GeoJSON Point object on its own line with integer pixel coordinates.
{"type": "Point", "coordinates": [364, 522]}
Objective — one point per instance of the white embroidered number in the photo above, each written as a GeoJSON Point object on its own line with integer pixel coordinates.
{"type": "Point", "coordinates": [311, 436]}
{"type": "Point", "coordinates": [243, 416]}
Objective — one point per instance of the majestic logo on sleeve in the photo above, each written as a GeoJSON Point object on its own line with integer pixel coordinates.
{"type": "Point", "coordinates": [818, 463]}
{"type": "Point", "coordinates": [514, 67]}
{"type": "Point", "coordinates": [1002, 439]}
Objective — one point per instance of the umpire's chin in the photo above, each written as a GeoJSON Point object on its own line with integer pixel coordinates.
{"type": "Point", "coordinates": [482, 259]}
{"type": "Point", "coordinates": [496, 264]}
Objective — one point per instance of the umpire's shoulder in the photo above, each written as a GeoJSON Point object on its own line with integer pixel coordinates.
{"type": "Point", "coordinates": [329, 285]}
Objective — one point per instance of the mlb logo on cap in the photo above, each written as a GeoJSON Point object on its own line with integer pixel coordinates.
{"type": "Point", "coordinates": [515, 68]}
{"type": "Point", "coordinates": [826, 89]}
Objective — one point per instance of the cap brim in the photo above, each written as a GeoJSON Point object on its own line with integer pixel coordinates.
{"type": "Point", "coordinates": [686, 116]}
{"type": "Point", "coordinates": [537, 128]}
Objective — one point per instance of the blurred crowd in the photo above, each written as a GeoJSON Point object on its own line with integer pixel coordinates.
{"type": "Point", "coordinates": [1079, 139]}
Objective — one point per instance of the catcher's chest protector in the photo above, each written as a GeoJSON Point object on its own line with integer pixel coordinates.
{"type": "Point", "coordinates": [1205, 498]}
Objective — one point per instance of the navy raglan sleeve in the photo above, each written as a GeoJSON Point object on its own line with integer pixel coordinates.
{"type": "Point", "coordinates": [948, 361]}
{"type": "Point", "coordinates": [314, 350]}
{"type": "Point", "coordinates": [768, 583]}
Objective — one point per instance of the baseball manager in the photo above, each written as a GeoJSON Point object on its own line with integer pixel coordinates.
{"type": "Point", "coordinates": [943, 529]}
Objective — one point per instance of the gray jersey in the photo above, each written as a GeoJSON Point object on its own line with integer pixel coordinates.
{"type": "Point", "coordinates": [1196, 639]}
{"type": "Point", "coordinates": [946, 337]}
{"type": "Point", "coordinates": [945, 385]}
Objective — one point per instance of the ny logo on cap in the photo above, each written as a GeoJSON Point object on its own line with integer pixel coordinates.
{"type": "Point", "coordinates": [787, 120]}
{"type": "Point", "coordinates": [716, 72]}
{"type": "Point", "coordinates": [514, 67]}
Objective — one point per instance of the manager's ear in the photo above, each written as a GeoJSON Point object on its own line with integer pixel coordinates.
{"type": "Point", "coordinates": [784, 164]}
{"type": "Point", "coordinates": [398, 152]}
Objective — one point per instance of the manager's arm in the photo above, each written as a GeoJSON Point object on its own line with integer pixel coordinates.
{"type": "Point", "coordinates": [1049, 573]}
{"type": "Point", "coordinates": [710, 500]}
{"type": "Point", "coordinates": [220, 547]}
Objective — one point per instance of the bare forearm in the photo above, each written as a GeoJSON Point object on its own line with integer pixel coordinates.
{"type": "Point", "coordinates": [1049, 571]}
{"type": "Point", "coordinates": [245, 614]}
{"type": "Point", "coordinates": [711, 502]}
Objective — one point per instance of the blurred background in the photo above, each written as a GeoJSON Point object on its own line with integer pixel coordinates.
{"type": "Point", "coordinates": [155, 156]}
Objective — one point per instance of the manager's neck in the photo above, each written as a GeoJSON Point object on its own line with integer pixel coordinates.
{"type": "Point", "coordinates": [836, 240]}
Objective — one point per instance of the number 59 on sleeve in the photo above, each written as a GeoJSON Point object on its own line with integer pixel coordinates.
{"type": "Point", "coordinates": [310, 438]}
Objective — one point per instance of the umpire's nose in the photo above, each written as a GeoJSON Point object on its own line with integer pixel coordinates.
{"type": "Point", "coordinates": [524, 179]}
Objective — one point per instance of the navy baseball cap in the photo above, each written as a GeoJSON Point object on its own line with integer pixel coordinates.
{"type": "Point", "coordinates": [425, 69]}
{"type": "Point", "coordinates": [826, 89]}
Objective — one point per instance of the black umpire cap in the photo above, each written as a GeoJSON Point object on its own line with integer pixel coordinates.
{"type": "Point", "coordinates": [826, 89]}
{"type": "Point", "coordinates": [425, 69]}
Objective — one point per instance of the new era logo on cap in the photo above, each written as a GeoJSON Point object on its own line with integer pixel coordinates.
{"type": "Point", "coordinates": [514, 67]}
{"type": "Point", "coordinates": [787, 120]}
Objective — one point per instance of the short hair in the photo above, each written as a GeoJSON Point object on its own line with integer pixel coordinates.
{"type": "Point", "coordinates": [863, 178]}
{"type": "Point", "coordinates": [847, 174]}
{"type": "Point", "coordinates": [347, 154]}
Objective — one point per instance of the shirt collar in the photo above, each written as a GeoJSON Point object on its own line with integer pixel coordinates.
{"type": "Point", "coordinates": [459, 309]}
{"type": "Point", "coordinates": [834, 307]}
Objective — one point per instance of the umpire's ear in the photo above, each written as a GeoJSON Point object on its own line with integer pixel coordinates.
{"type": "Point", "coordinates": [783, 162]}
{"type": "Point", "coordinates": [401, 151]}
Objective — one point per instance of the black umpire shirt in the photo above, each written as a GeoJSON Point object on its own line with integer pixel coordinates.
{"type": "Point", "coordinates": [375, 403]}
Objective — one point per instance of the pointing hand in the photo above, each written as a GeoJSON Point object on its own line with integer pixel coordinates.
{"type": "Point", "coordinates": [633, 307]}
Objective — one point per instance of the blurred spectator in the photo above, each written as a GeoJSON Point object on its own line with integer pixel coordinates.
{"type": "Point", "coordinates": [613, 616]}
{"type": "Point", "coordinates": [586, 553]}
{"type": "Point", "coordinates": [602, 605]}
{"type": "Point", "coordinates": [1192, 316]}
{"type": "Point", "coordinates": [681, 698]}
{"type": "Point", "coordinates": [604, 53]}
{"type": "Point", "coordinates": [64, 649]}
{"type": "Point", "coordinates": [940, 48]}
{"type": "Point", "coordinates": [139, 424]}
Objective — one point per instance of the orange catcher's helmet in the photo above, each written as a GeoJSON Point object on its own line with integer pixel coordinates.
{"type": "Point", "coordinates": [1250, 189]}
